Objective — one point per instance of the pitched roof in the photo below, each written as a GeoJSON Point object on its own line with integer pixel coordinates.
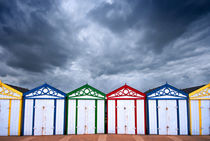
{"type": "Point", "coordinates": [148, 91]}
{"type": "Point", "coordinates": [20, 89]}
{"type": "Point", "coordinates": [191, 89]}
{"type": "Point", "coordinates": [186, 90]}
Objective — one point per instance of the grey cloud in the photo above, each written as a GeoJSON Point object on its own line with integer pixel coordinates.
{"type": "Point", "coordinates": [142, 43]}
{"type": "Point", "coordinates": [34, 42]}
{"type": "Point", "coordinates": [162, 21]}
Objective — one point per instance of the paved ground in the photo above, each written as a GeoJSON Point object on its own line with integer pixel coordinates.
{"type": "Point", "coordinates": [107, 138]}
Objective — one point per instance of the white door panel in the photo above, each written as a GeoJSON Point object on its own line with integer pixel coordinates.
{"type": "Point", "coordinates": [81, 127]}
{"type": "Point", "coordinates": [14, 122]}
{"type": "Point", "coordinates": [111, 116]}
{"type": "Point", "coordinates": [205, 115]}
{"type": "Point", "coordinates": [125, 117]}
{"type": "Point", "coordinates": [172, 117]}
{"type": "Point", "coordinates": [90, 122]}
{"type": "Point", "coordinates": [86, 117]}
{"type": "Point", "coordinates": [50, 117]}
{"type": "Point", "coordinates": [167, 111]}
{"type": "Point", "coordinates": [44, 117]}
{"type": "Point", "coordinates": [152, 117]}
{"type": "Point", "coordinates": [121, 118]}
{"type": "Point", "coordinates": [194, 117]}
{"type": "Point", "coordinates": [162, 116]}
{"type": "Point", "coordinates": [4, 114]}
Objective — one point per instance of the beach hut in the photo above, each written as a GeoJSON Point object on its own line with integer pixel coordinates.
{"type": "Point", "coordinates": [126, 111]}
{"type": "Point", "coordinates": [10, 109]}
{"type": "Point", "coordinates": [167, 111]}
{"type": "Point", "coordinates": [43, 111]}
{"type": "Point", "coordinates": [86, 111]}
{"type": "Point", "coordinates": [199, 101]}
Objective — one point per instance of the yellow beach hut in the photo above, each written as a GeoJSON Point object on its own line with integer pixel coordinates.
{"type": "Point", "coordinates": [10, 109]}
{"type": "Point", "coordinates": [199, 101]}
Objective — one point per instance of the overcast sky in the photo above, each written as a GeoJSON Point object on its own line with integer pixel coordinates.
{"type": "Point", "coordinates": [105, 43]}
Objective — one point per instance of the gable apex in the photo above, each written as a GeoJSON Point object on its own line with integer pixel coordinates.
{"type": "Point", "coordinates": [44, 91]}
{"type": "Point", "coordinates": [125, 92]}
{"type": "Point", "coordinates": [86, 91]}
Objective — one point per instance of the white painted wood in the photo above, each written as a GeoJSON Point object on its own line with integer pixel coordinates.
{"type": "Point", "coordinates": [205, 117]}
{"type": "Point", "coordinates": [125, 117]}
{"type": "Point", "coordinates": [28, 117]}
{"type": "Point", "coordinates": [4, 114]}
{"type": "Point", "coordinates": [195, 117]}
{"type": "Point", "coordinates": [71, 116]}
{"type": "Point", "coordinates": [162, 104]}
{"type": "Point", "coordinates": [59, 116]}
{"type": "Point", "coordinates": [44, 117]}
{"type": "Point", "coordinates": [152, 117]}
{"type": "Point", "coordinates": [111, 116]}
{"type": "Point", "coordinates": [183, 117]}
{"type": "Point", "coordinates": [100, 116]}
{"type": "Point", "coordinates": [167, 115]}
{"type": "Point", "coordinates": [90, 115]}
{"type": "Point", "coordinates": [131, 116]}
{"type": "Point", "coordinates": [14, 121]}
{"type": "Point", "coordinates": [82, 117]}
{"type": "Point", "coordinates": [140, 117]}
{"type": "Point", "coordinates": [86, 117]}
{"type": "Point", "coordinates": [172, 117]}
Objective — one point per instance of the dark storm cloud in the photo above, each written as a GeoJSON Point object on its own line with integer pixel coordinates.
{"type": "Point", "coordinates": [162, 21]}
{"type": "Point", "coordinates": [106, 43]}
{"type": "Point", "coordinates": [31, 39]}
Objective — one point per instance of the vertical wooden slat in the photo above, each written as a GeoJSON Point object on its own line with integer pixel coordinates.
{"type": "Point", "coordinates": [9, 117]}
{"type": "Point", "coordinates": [200, 117]}
{"type": "Point", "coordinates": [115, 116]}
{"type": "Point", "coordinates": [135, 112]}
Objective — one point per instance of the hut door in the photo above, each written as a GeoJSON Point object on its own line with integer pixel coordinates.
{"type": "Point", "coordinates": [86, 117]}
{"type": "Point", "coordinates": [167, 112]}
{"type": "Point", "coordinates": [4, 114]}
{"type": "Point", "coordinates": [162, 117]}
{"type": "Point", "coordinates": [43, 124]}
{"type": "Point", "coordinates": [125, 117]}
{"type": "Point", "coordinates": [205, 114]}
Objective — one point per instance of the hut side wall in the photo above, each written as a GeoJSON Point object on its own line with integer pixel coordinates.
{"type": "Point", "coordinates": [111, 116]}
